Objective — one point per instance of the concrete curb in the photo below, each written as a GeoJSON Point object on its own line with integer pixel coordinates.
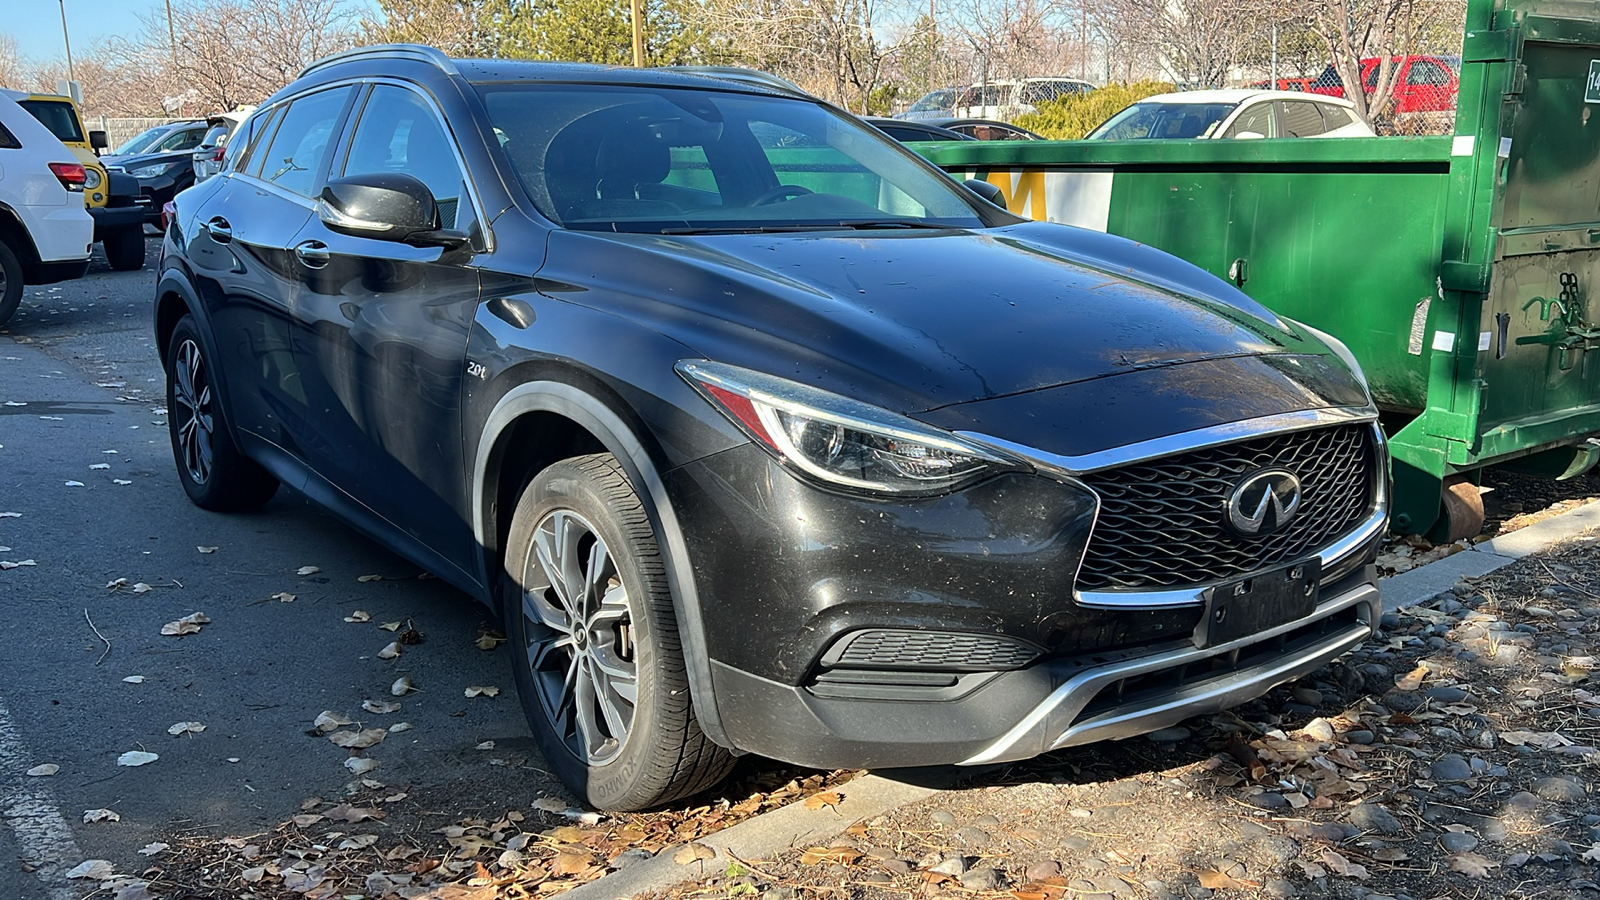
{"type": "Point", "coordinates": [758, 838]}
{"type": "Point", "coordinates": [1417, 585]}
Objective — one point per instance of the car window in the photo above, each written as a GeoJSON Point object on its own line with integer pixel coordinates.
{"type": "Point", "coordinates": [1335, 117]}
{"type": "Point", "coordinates": [183, 139]}
{"type": "Point", "coordinates": [1427, 73]}
{"type": "Point", "coordinates": [300, 145]}
{"type": "Point", "coordinates": [8, 141]}
{"type": "Point", "coordinates": [1163, 120]}
{"type": "Point", "coordinates": [1256, 119]}
{"type": "Point", "coordinates": [56, 116]}
{"type": "Point", "coordinates": [1301, 119]}
{"type": "Point", "coordinates": [399, 132]}
{"type": "Point", "coordinates": [250, 152]}
{"type": "Point", "coordinates": [138, 142]}
{"type": "Point", "coordinates": [933, 101]}
{"type": "Point", "coordinates": [651, 160]}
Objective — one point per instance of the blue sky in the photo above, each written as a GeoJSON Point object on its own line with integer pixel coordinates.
{"type": "Point", "coordinates": [36, 24]}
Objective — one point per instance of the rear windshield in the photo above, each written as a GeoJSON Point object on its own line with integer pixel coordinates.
{"type": "Point", "coordinates": [1163, 120]}
{"type": "Point", "coordinates": [935, 101]}
{"type": "Point", "coordinates": [675, 160]}
{"type": "Point", "coordinates": [56, 116]}
{"type": "Point", "coordinates": [143, 139]}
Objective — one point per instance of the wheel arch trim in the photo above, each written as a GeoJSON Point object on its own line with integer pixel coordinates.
{"type": "Point", "coordinates": [620, 440]}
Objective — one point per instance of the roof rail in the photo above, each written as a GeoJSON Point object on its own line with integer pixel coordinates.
{"type": "Point", "coordinates": [415, 52]}
{"type": "Point", "coordinates": [742, 75]}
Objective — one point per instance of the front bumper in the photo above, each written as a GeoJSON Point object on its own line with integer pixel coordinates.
{"type": "Point", "coordinates": [111, 219]}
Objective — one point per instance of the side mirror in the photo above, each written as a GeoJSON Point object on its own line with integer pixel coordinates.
{"type": "Point", "coordinates": [98, 140]}
{"type": "Point", "coordinates": [986, 191]}
{"type": "Point", "coordinates": [385, 207]}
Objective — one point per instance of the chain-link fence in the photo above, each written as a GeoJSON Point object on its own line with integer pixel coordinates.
{"type": "Point", "coordinates": [120, 130]}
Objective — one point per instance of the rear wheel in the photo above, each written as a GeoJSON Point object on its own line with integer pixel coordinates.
{"type": "Point", "coordinates": [125, 249]}
{"type": "Point", "coordinates": [599, 666]}
{"type": "Point", "coordinates": [215, 475]}
{"type": "Point", "coordinates": [10, 283]}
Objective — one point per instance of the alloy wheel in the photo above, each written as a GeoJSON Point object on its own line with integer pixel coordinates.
{"type": "Point", "coordinates": [191, 397]}
{"type": "Point", "coordinates": [580, 647]}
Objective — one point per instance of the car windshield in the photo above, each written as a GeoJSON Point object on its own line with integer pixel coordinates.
{"type": "Point", "coordinates": [56, 116]}
{"type": "Point", "coordinates": [140, 141]}
{"type": "Point", "coordinates": [934, 101]}
{"type": "Point", "coordinates": [1163, 120]}
{"type": "Point", "coordinates": [674, 160]}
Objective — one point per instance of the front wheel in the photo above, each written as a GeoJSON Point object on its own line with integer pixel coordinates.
{"type": "Point", "coordinates": [215, 475]}
{"type": "Point", "coordinates": [599, 666]}
{"type": "Point", "coordinates": [10, 283]}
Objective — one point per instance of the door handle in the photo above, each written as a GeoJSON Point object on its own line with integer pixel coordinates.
{"type": "Point", "coordinates": [312, 254]}
{"type": "Point", "coordinates": [219, 229]}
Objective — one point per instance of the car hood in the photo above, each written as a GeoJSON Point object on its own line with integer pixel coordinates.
{"type": "Point", "coordinates": [919, 320]}
{"type": "Point", "coordinates": [138, 160]}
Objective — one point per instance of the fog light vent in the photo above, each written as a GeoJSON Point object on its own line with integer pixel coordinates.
{"type": "Point", "coordinates": [881, 648]}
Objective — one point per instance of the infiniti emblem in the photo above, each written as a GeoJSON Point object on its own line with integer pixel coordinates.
{"type": "Point", "coordinates": [1264, 502]}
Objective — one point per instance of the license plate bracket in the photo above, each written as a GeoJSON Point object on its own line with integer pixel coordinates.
{"type": "Point", "coordinates": [1251, 605]}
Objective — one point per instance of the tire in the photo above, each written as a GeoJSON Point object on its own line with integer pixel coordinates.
{"type": "Point", "coordinates": [582, 515]}
{"type": "Point", "coordinates": [215, 475]}
{"type": "Point", "coordinates": [10, 283]}
{"type": "Point", "coordinates": [125, 249]}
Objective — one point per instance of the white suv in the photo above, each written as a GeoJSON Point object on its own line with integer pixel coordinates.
{"type": "Point", "coordinates": [45, 232]}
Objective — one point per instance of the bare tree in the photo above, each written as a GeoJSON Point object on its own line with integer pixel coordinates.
{"type": "Point", "coordinates": [458, 27]}
{"type": "Point", "coordinates": [1198, 42]}
{"type": "Point", "coordinates": [1018, 38]}
{"type": "Point", "coordinates": [1355, 30]}
{"type": "Point", "coordinates": [831, 47]}
{"type": "Point", "coordinates": [13, 67]}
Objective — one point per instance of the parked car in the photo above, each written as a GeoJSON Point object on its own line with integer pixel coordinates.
{"type": "Point", "coordinates": [987, 129]}
{"type": "Point", "coordinates": [1424, 93]}
{"type": "Point", "coordinates": [166, 138]}
{"type": "Point", "coordinates": [207, 157]}
{"type": "Point", "coordinates": [113, 200]}
{"type": "Point", "coordinates": [910, 132]}
{"type": "Point", "coordinates": [763, 434]}
{"type": "Point", "coordinates": [162, 170]}
{"type": "Point", "coordinates": [995, 100]}
{"type": "Point", "coordinates": [1233, 114]}
{"type": "Point", "coordinates": [934, 104]}
{"type": "Point", "coordinates": [45, 230]}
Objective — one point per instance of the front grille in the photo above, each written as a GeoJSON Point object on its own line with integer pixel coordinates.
{"type": "Point", "coordinates": [930, 650]}
{"type": "Point", "coordinates": [1161, 522]}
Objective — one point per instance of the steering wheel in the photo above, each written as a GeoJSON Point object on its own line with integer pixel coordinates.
{"type": "Point", "coordinates": [781, 192]}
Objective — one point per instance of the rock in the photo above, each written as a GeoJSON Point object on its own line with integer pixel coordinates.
{"type": "Point", "coordinates": [1359, 736]}
{"type": "Point", "coordinates": [1075, 843]}
{"type": "Point", "coordinates": [1523, 802]}
{"type": "Point", "coordinates": [1403, 701]}
{"type": "Point", "coordinates": [1267, 800]}
{"type": "Point", "coordinates": [1371, 817]}
{"type": "Point", "coordinates": [973, 837]}
{"type": "Point", "coordinates": [1485, 739]}
{"type": "Point", "coordinates": [1114, 886]}
{"type": "Point", "coordinates": [1506, 655]}
{"type": "Point", "coordinates": [1169, 735]}
{"type": "Point", "coordinates": [1039, 871]}
{"type": "Point", "coordinates": [1254, 830]}
{"type": "Point", "coordinates": [630, 856]}
{"type": "Point", "coordinates": [1080, 813]}
{"type": "Point", "coordinates": [1451, 767]}
{"type": "Point", "coordinates": [878, 878]}
{"type": "Point", "coordinates": [986, 822]}
{"type": "Point", "coordinates": [1279, 888]}
{"type": "Point", "coordinates": [1318, 729]}
{"type": "Point", "coordinates": [1446, 694]}
{"type": "Point", "coordinates": [1560, 790]}
{"type": "Point", "coordinates": [984, 879]}
{"type": "Point", "coordinates": [1308, 696]}
{"type": "Point", "coordinates": [1389, 621]}
{"type": "Point", "coordinates": [955, 866]}
{"type": "Point", "coordinates": [943, 817]}
{"type": "Point", "coordinates": [1293, 710]}
{"type": "Point", "coordinates": [1454, 842]}
{"type": "Point", "coordinates": [897, 866]}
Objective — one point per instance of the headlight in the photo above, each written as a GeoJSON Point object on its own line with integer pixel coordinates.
{"type": "Point", "coordinates": [154, 171]}
{"type": "Point", "coordinates": [91, 178]}
{"type": "Point", "coordinates": [842, 442]}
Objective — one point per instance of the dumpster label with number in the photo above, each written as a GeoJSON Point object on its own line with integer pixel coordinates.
{"type": "Point", "coordinates": [1591, 88]}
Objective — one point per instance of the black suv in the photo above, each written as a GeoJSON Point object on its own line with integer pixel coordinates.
{"type": "Point", "coordinates": [763, 434]}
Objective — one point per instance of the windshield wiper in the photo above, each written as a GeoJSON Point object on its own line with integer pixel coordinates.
{"type": "Point", "coordinates": [747, 229]}
{"type": "Point", "coordinates": [868, 224]}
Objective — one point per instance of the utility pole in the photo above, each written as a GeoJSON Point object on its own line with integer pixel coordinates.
{"type": "Point", "coordinates": [1274, 85]}
{"type": "Point", "coordinates": [71, 76]}
{"type": "Point", "coordinates": [638, 35]}
{"type": "Point", "coordinates": [172, 37]}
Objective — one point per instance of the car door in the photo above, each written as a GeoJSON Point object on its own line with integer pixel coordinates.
{"type": "Point", "coordinates": [1300, 118]}
{"type": "Point", "coordinates": [1255, 120]}
{"type": "Point", "coordinates": [381, 329]}
{"type": "Point", "coordinates": [240, 242]}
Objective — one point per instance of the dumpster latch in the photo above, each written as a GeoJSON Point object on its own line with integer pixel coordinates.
{"type": "Point", "coordinates": [1571, 334]}
{"type": "Point", "coordinates": [1239, 272]}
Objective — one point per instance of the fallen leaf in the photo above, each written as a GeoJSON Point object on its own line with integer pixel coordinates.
{"type": "Point", "coordinates": [306, 820]}
{"type": "Point", "coordinates": [94, 869]}
{"type": "Point", "coordinates": [1342, 866]}
{"type": "Point", "coordinates": [390, 626]}
{"type": "Point", "coordinates": [826, 798]}
{"type": "Point", "coordinates": [392, 651]}
{"type": "Point", "coordinates": [72, 483]}
{"type": "Point", "coordinates": [44, 770]}
{"type": "Point", "coordinates": [398, 727]}
{"type": "Point", "coordinates": [1412, 679]}
{"type": "Point", "coordinates": [136, 758]}
{"type": "Point", "coordinates": [359, 615]}
{"type": "Point", "coordinates": [186, 728]}
{"type": "Point", "coordinates": [360, 765]}
{"type": "Point", "coordinates": [10, 515]}
{"type": "Point", "coordinates": [206, 549]}
{"type": "Point", "coordinates": [344, 812]}
{"type": "Point", "coordinates": [358, 842]}
{"type": "Point", "coordinates": [402, 686]}
{"type": "Point", "coordinates": [1472, 865]}
{"type": "Point", "coordinates": [98, 466]}
{"type": "Point", "coordinates": [308, 570]}
{"type": "Point", "coordinates": [8, 564]}
{"type": "Point", "coordinates": [411, 636]}
{"type": "Point", "coordinates": [1544, 740]}
{"type": "Point", "coordinates": [120, 481]}
{"type": "Point", "coordinates": [116, 583]}
{"type": "Point", "coordinates": [490, 640]}
{"type": "Point", "coordinates": [381, 707]}
{"type": "Point", "coordinates": [253, 874]}
{"type": "Point", "coordinates": [134, 679]}
{"type": "Point", "coordinates": [486, 745]}
{"type": "Point", "coordinates": [328, 720]}
{"type": "Point", "coordinates": [189, 624]}
{"type": "Point", "coordinates": [100, 815]}
{"type": "Point", "coordinates": [366, 578]}
{"type": "Point", "coordinates": [569, 862]}
{"type": "Point", "coordinates": [830, 855]}
{"type": "Point", "coordinates": [477, 690]}
{"type": "Point", "coordinates": [283, 597]}
{"type": "Point", "coordinates": [152, 849]}
{"type": "Point", "coordinates": [142, 588]}
{"type": "Point", "coordinates": [1216, 881]}
{"type": "Point", "coordinates": [358, 740]}
{"type": "Point", "coordinates": [693, 852]}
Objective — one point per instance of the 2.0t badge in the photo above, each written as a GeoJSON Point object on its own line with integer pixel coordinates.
{"type": "Point", "coordinates": [1264, 502]}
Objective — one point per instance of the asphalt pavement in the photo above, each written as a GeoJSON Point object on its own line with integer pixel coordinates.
{"type": "Point", "coordinates": [86, 674]}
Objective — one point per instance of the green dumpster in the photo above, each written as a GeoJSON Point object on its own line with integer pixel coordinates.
{"type": "Point", "coordinates": [1457, 269]}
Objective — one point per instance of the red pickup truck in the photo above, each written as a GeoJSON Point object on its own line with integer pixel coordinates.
{"type": "Point", "coordinates": [1424, 96]}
